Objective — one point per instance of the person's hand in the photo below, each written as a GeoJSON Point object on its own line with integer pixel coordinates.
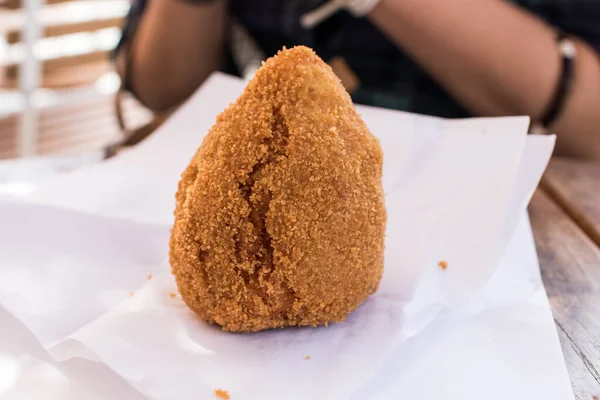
{"type": "Point", "coordinates": [358, 8]}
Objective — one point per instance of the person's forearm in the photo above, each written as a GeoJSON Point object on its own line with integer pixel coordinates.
{"type": "Point", "coordinates": [176, 47]}
{"type": "Point", "coordinates": [496, 59]}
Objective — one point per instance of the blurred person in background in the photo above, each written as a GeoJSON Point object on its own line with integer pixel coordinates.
{"type": "Point", "coordinates": [449, 58]}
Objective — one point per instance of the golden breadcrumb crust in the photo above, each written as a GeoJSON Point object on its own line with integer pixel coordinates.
{"type": "Point", "coordinates": [280, 215]}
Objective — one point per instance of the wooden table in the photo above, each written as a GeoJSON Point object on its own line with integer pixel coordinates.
{"type": "Point", "coordinates": [565, 216]}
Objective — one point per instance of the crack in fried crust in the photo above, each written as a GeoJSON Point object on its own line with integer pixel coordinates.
{"type": "Point", "coordinates": [280, 217]}
{"type": "Point", "coordinates": [254, 245]}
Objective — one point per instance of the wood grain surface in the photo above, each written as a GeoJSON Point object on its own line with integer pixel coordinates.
{"type": "Point", "coordinates": [570, 264]}
{"type": "Point", "coordinates": [575, 186]}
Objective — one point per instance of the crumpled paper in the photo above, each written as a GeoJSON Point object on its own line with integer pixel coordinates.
{"type": "Point", "coordinates": [78, 279]}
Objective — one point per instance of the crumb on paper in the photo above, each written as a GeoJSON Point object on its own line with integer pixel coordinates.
{"type": "Point", "coordinates": [172, 295]}
{"type": "Point", "coordinates": [307, 358]}
{"type": "Point", "coordinates": [131, 293]}
{"type": "Point", "coordinates": [443, 264]}
{"type": "Point", "coordinates": [222, 394]}
{"type": "Point", "coordinates": [149, 276]}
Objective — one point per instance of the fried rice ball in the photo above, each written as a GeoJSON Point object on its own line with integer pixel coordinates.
{"type": "Point", "coordinates": [280, 214]}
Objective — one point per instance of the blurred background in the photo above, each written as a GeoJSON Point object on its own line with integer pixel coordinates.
{"type": "Point", "coordinates": [57, 84]}
{"type": "Point", "coordinates": [61, 107]}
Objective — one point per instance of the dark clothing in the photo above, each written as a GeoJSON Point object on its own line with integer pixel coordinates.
{"type": "Point", "coordinates": [387, 77]}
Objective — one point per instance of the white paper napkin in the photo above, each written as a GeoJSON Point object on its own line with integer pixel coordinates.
{"type": "Point", "coordinates": [455, 191]}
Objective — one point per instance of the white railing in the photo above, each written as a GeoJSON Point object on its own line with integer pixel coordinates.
{"type": "Point", "coordinates": [29, 80]}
